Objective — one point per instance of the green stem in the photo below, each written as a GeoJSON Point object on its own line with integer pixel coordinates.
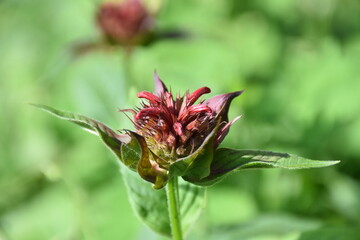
{"type": "Point", "coordinates": [126, 61]}
{"type": "Point", "coordinates": [174, 208]}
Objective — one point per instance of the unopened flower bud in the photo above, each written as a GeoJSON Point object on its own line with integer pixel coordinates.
{"type": "Point", "coordinates": [178, 129]}
{"type": "Point", "coordinates": [125, 22]}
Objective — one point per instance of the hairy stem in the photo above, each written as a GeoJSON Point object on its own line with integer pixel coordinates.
{"type": "Point", "coordinates": [174, 208]}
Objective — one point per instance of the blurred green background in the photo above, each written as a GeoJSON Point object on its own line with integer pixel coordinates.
{"type": "Point", "coordinates": [298, 61]}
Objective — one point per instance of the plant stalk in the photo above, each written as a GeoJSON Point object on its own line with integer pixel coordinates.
{"type": "Point", "coordinates": [174, 208]}
{"type": "Point", "coordinates": [126, 63]}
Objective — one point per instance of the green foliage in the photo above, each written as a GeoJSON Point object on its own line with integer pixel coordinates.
{"type": "Point", "coordinates": [131, 152]}
{"type": "Point", "coordinates": [203, 167]}
{"type": "Point", "coordinates": [227, 160]}
{"type": "Point", "coordinates": [298, 61]}
{"type": "Point", "coordinates": [151, 205]}
{"type": "Point", "coordinates": [110, 138]}
{"type": "Point", "coordinates": [198, 163]}
{"type": "Point", "coordinates": [268, 227]}
{"type": "Point", "coordinates": [331, 234]}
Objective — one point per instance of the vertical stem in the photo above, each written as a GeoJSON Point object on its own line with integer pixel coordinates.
{"type": "Point", "coordinates": [174, 208]}
{"type": "Point", "coordinates": [126, 61]}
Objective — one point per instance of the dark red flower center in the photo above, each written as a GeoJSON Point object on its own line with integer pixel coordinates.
{"type": "Point", "coordinates": [174, 126]}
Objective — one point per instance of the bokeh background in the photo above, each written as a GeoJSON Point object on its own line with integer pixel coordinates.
{"type": "Point", "coordinates": [298, 61]}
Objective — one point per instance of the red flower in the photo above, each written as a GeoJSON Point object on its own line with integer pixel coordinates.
{"type": "Point", "coordinates": [174, 127]}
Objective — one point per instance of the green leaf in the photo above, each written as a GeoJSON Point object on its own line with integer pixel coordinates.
{"type": "Point", "coordinates": [227, 160]}
{"type": "Point", "coordinates": [333, 233]}
{"type": "Point", "coordinates": [148, 166]}
{"type": "Point", "coordinates": [151, 205]}
{"type": "Point", "coordinates": [131, 152]}
{"type": "Point", "coordinates": [264, 227]}
{"type": "Point", "coordinates": [201, 167]}
{"type": "Point", "coordinates": [124, 146]}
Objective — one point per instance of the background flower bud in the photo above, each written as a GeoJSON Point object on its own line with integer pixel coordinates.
{"type": "Point", "coordinates": [126, 22]}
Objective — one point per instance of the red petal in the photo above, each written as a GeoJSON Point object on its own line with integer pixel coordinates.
{"type": "Point", "coordinates": [190, 111]}
{"type": "Point", "coordinates": [149, 96]}
{"type": "Point", "coordinates": [198, 93]}
{"type": "Point", "coordinates": [198, 108]}
{"type": "Point", "coordinates": [147, 112]}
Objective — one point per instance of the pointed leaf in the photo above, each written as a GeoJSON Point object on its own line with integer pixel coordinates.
{"type": "Point", "coordinates": [197, 164]}
{"type": "Point", "coordinates": [151, 205]}
{"type": "Point", "coordinates": [148, 168]}
{"type": "Point", "coordinates": [226, 160]}
{"type": "Point", "coordinates": [124, 146]}
{"type": "Point", "coordinates": [131, 152]}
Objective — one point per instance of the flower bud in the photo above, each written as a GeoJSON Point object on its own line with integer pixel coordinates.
{"type": "Point", "coordinates": [176, 133]}
{"type": "Point", "coordinates": [125, 22]}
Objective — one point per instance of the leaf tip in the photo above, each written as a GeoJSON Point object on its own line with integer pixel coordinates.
{"type": "Point", "coordinates": [333, 162]}
{"type": "Point", "coordinates": [34, 104]}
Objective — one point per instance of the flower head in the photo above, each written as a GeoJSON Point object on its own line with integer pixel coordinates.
{"type": "Point", "coordinates": [176, 127]}
{"type": "Point", "coordinates": [125, 22]}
